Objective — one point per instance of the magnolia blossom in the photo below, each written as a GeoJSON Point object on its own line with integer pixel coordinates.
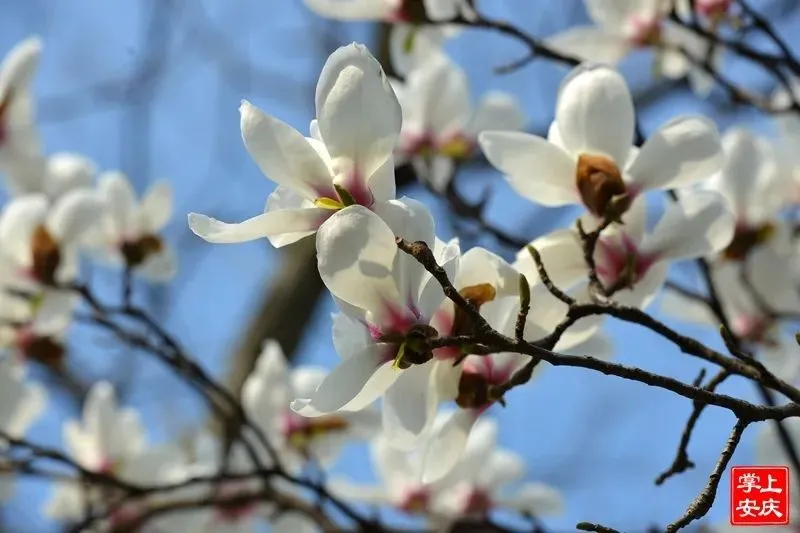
{"type": "Point", "coordinates": [19, 139]}
{"type": "Point", "coordinates": [439, 123]}
{"type": "Point", "coordinates": [588, 157]}
{"type": "Point", "coordinates": [130, 230]}
{"type": "Point", "coordinates": [54, 176]}
{"type": "Point", "coordinates": [755, 183]}
{"type": "Point", "coordinates": [620, 27]}
{"type": "Point", "coordinates": [387, 300]}
{"type": "Point", "coordinates": [409, 42]}
{"type": "Point", "coordinates": [111, 441]}
{"type": "Point", "coordinates": [472, 384]}
{"type": "Point", "coordinates": [347, 161]}
{"type": "Point", "coordinates": [21, 404]}
{"type": "Point", "coordinates": [41, 241]}
{"type": "Point", "coordinates": [266, 395]}
{"type": "Point", "coordinates": [632, 262]}
{"type": "Point", "coordinates": [33, 326]}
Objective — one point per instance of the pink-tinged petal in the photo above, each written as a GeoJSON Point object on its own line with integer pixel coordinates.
{"type": "Point", "coordinates": [281, 227]}
{"type": "Point", "coordinates": [590, 43]}
{"type": "Point", "coordinates": [409, 406]}
{"type": "Point", "coordinates": [284, 155]}
{"type": "Point", "coordinates": [352, 81]}
{"type": "Point", "coordinates": [447, 446]}
{"type": "Point", "coordinates": [535, 168]}
{"type": "Point", "coordinates": [595, 113]}
{"type": "Point", "coordinates": [354, 384]}
{"type": "Point", "coordinates": [682, 152]}
{"type": "Point", "coordinates": [356, 254]}
{"type": "Point", "coordinates": [646, 288]}
{"type": "Point", "coordinates": [354, 9]}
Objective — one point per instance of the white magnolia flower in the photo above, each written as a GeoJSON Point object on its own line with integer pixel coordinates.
{"type": "Point", "coordinates": [110, 440]}
{"type": "Point", "coordinates": [347, 161]}
{"type": "Point", "coordinates": [755, 183]}
{"type": "Point", "coordinates": [714, 10]}
{"type": "Point", "coordinates": [400, 482]}
{"type": "Point", "coordinates": [387, 301]}
{"type": "Point", "coordinates": [130, 230]}
{"type": "Point", "coordinates": [480, 483]}
{"type": "Point", "coordinates": [41, 240]}
{"type": "Point", "coordinates": [18, 136]}
{"type": "Point", "coordinates": [266, 396]}
{"type": "Point", "coordinates": [623, 26]}
{"type": "Point", "coordinates": [21, 403]}
{"type": "Point", "coordinates": [439, 122]}
{"type": "Point", "coordinates": [470, 384]}
{"type": "Point", "coordinates": [634, 262]}
{"type": "Point", "coordinates": [748, 320]}
{"type": "Point", "coordinates": [588, 157]}
{"type": "Point", "coordinates": [54, 176]}
{"type": "Point", "coordinates": [33, 326]}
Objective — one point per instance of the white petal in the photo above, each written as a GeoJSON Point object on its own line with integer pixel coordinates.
{"type": "Point", "coordinates": [18, 221]}
{"type": "Point", "coordinates": [67, 171]}
{"type": "Point", "coordinates": [118, 193]}
{"type": "Point", "coordinates": [562, 257]}
{"type": "Point", "coordinates": [156, 208]}
{"type": "Point", "coordinates": [351, 81]}
{"type": "Point", "coordinates": [355, 383]}
{"type": "Point", "coordinates": [283, 154]}
{"type": "Point", "coordinates": [681, 152]}
{"type": "Point", "coordinates": [74, 214]}
{"type": "Point", "coordinates": [687, 309]}
{"type": "Point", "coordinates": [537, 499]}
{"type": "Point", "coordinates": [613, 14]}
{"type": "Point", "coordinates": [20, 65]}
{"type": "Point", "coordinates": [409, 406]}
{"type": "Point", "coordinates": [744, 159]}
{"type": "Point", "coordinates": [440, 10]}
{"type": "Point", "coordinates": [449, 107]}
{"type": "Point", "coordinates": [160, 267]}
{"type": "Point", "coordinates": [535, 168]}
{"type": "Point", "coordinates": [30, 407]}
{"type": "Point", "coordinates": [349, 334]}
{"type": "Point", "coordinates": [272, 225]}
{"type": "Point", "coordinates": [595, 113]}
{"type": "Point", "coordinates": [447, 446]}
{"type": "Point", "coordinates": [426, 41]}
{"type": "Point", "coordinates": [698, 224]}
{"type": "Point", "coordinates": [99, 416]}
{"type": "Point", "coordinates": [496, 111]}
{"type": "Point", "coordinates": [479, 265]}
{"type": "Point", "coordinates": [590, 43]}
{"type": "Point", "coordinates": [353, 9]}
{"type": "Point", "coordinates": [766, 268]}
{"type": "Point", "coordinates": [370, 494]}
{"type": "Point", "coordinates": [501, 468]}
{"type": "Point", "coordinates": [355, 254]}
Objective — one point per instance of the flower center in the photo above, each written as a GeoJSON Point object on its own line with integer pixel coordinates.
{"type": "Point", "coordinates": [300, 432]}
{"type": "Point", "coordinates": [746, 239]}
{"type": "Point", "coordinates": [479, 376]}
{"type": "Point", "coordinates": [644, 31]}
{"type": "Point", "coordinates": [713, 9]}
{"type": "Point", "coordinates": [416, 502]}
{"type": "Point", "coordinates": [46, 256]}
{"type": "Point", "coordinates": [601, 187]}
{"type": "Point", "coordinates": [477, 502]}
{"type": "Point", "coordinates": [409, 11]}
{"type": "Point", "coordinates": [456, 147]}
{"type": "Point", "coordinates": [620, 265]}
{"type": "Point", "coordinates": [758, 330]}
{"type": "Point", "coordinates": [137, 251]}
{"type": "Point", "coordinates": [42, 349]}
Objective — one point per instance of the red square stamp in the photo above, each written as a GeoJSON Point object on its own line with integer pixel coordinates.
{"type": "Point", "coordinates": [759, 495]}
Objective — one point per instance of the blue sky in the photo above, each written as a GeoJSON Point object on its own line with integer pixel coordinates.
{"type": "Point", "coordinates": [601, 443]}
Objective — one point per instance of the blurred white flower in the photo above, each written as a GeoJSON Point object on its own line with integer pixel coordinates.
{"type": "Point", "coordinates": [109, 441]}
{"type": "Point", "coordinates": [387, 301]}
{"type": "Point", "coordinates": [129, 233]}
{"type": "Point", "coordinates": [621, 27]}
{"type": "Point", "coordinates": [633, 261]}
{"type": "Point", "coordinates": [41, 240]}
{"type": "Point", "coordinates": [588, 157]}
{"type": "Point", "coordinates": [54, 176]}
{"type": "Point", "coordinates": [757, 185]}
{"type": "Point", "coordinates": [347, 161]}
{"type": "Point", "coordinates": [439, 122]}
{"type": "Point", "coordinates": [18, 136]}
{"type": "Point", "coordinates": [21, 403]}
{"type": "Point", "coordinates": [266, 396]}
